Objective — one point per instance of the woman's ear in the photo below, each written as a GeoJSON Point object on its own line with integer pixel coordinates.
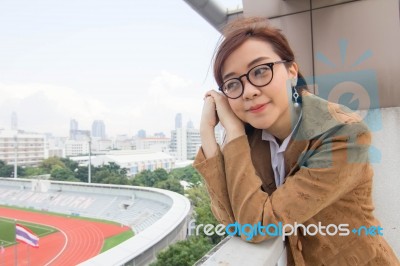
{"type": "Point", "coordinates": [293, 71]}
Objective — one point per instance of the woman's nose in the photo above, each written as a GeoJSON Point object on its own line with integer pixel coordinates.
{"type": "Point", "coordinates": [249, 90]}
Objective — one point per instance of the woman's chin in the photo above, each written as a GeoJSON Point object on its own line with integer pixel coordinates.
{"type": "Point", "coordinates": [260, 125]}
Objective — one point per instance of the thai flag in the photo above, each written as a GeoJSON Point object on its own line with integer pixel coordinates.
{"type": "Point", "coordinates": [25, 235]}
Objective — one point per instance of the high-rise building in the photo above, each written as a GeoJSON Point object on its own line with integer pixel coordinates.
{"type": "Point", "coordinates": [73, 127]}
{"type": "Point", "coordinates": [14, 121]}
{"type": "Point", "coordinates": [76, 147]}
{"type": "Point", "coordinates": [189, 124]}
{"type": "Point", "coordinates": [185, 143]}
{"type": "Point", "coordinates": [178, 121]}
{"type": "Point", "coordinates": [28, 149]}
{"type": "Point", "coordinates": [98, 129]}
{"type": "Point", "coordinates": [141, 133]}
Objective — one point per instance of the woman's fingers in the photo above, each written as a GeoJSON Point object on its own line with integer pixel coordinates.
{"type": "Point", "coordinates": [209, 116]}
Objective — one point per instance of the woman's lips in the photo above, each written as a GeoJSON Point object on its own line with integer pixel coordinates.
{"type": "Point", "coordinates": [257, 108]}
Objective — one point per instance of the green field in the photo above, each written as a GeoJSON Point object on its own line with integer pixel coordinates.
{"type": "Point", "coordinates": [116, 240]}
{"type": "Point", "coordinates": [7, 230]}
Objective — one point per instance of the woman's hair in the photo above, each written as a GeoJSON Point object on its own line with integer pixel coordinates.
{"type": "Point", "coordinates": [240, 30]}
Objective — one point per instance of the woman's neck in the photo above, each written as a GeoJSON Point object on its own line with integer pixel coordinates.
{"type": "Point", "coordinates": [284, 126]}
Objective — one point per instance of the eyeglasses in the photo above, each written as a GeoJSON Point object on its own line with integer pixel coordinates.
{"type": "Point", "coordinates": [258, 76]}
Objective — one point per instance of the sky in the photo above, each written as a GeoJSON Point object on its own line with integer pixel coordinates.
{"type": "Point", "coordinates": [133, 64]}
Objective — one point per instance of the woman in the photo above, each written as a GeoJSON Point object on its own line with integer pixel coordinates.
{"type": "Point", "coordinates": [288, 157]}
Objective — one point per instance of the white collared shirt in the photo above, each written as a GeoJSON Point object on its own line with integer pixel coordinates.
{"type": "Point", "coordinates": [277, 152]}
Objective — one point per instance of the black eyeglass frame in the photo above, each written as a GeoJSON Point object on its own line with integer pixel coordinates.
{"type": "Point", "coordinates": [270, 65]}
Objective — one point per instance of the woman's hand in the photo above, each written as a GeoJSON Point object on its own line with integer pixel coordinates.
{"type": "Point", "coordinates": [217, 109]}
{"type": "Point", "coordinates": [224, 112]}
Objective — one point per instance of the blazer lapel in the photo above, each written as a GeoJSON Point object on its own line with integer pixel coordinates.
{"type": "Point", "coordinates": [293, 153]}
{"type": "Point", "coordinates": [261, 157]}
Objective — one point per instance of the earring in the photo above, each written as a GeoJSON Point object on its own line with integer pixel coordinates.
{"type": "Point", "coordinates": [295, 94]}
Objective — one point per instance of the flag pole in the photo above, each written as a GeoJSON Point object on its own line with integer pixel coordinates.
{"type": "Point", "coordinates": [16, 244]}
{"type": "Point", "coordinates": [29, 255]}
{"type": "Point", "coordinates": [2, 252]}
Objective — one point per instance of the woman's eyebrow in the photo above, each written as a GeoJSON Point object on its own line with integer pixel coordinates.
{"type": "Point", "coordinates": [257, 60]}
{"type": "Point", "coordinates": [252, 63]}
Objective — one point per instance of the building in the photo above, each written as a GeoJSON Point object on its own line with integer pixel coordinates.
{"type": "Point", "coordinates": [123, 142]}
{"type": "Point", "coordinates": [26, 148]}
{"type": "Point", "coordinates": [189, 124]}
{"type": "Point", "coordinates": [76, 147]}
{"type": "Point", "coordinates": [134, 161]}
{"type": "Point", "coordinates": [155, 143]}
{"type": "Point", "coordinates": [54, 146]}
{"type": "Point", "coordinates": [178, 121]}
{"type": "Point", "coordinates": [141, 133]}
{"type": "Point", "coordinates": [14, 121]}
{"type": "Point", "coordinates": [73, 127]}
{"type": "Point", "coordinates": [101, 145]}
{"type": "Point", "coordinates": [185, 142]}
{"type": "Point", "coordinates": [98, 129]}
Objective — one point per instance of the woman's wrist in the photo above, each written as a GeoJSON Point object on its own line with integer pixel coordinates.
{"type": "Point", "coordinates": [208, 141]}
{"type": "Point", "coordinates": [234, 133]}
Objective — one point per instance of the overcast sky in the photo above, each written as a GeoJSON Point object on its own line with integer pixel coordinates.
{"type": "Point", "coordinates": [133, 64]}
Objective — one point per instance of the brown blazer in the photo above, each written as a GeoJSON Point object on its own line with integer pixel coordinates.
{"type": "Point", "coordinates": [328, 180]}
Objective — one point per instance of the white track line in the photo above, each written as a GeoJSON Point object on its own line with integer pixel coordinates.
{"type": "Point", "coordinates": [62, 250]}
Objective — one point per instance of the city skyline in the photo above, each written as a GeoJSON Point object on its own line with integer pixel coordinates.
{"type": "Point", "coordinates": [128, 64]}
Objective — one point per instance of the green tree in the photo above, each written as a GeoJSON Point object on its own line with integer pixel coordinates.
{"type": "Point", "coordinates": [105, 176]}
{"type": "Point", "coordinates": [81, 173]}
{"type": "Point", "coordinates": [159, 175]}
{"type": "Point", "coordinates": [7, 170]}
{"type": "Point", "coordinates": [50, 164]}
{"type": "Point", "coordinates": [200, 199]}
{"type": "Point", "coordinates": [72, 165]}
{"type": "Point", "coordinates": [188, 173]}
{"type": "Point", "coordinates": [184, 253]}
{"type": "Point", "coordinates": [33, 171]}
{"type": "Point", "coordinates": [110, 173]}
{"type": "Point", "coordinates": [144, 178]}
{"type": "Point", "coordinates": [62, 174]}
{"type": "Point", "coordinates": [171, 184]}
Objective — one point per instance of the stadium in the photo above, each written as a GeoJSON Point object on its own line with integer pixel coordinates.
{"type": "Point", "coordinates": [157, 218]}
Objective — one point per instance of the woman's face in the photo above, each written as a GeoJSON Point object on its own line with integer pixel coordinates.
{"type": "Point", "coordinates": [262, 107]}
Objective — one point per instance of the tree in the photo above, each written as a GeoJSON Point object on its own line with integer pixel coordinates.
{"type": "Point", "coordinates": [62, 174]}
{"type": "Point", "coordinates": [200, 198]}
{"type": "Point", "coordinates": [7, 170]}
{"type": "Point", "coordinates": [184, 253]}
{"type": "Point", "coordinates": [105, 176]}
{"type": "Point", "coordinates": [144, 178]}
{"type": "Point", "coordinates": [171, 184]}
{"type": "Point", "coordinates": [72, 165]}
{"type": "Point", "coordinates": [110, 173]}
{"type": "Point", "coordinates": [50, 164]}
{"type": "Point", "coordinates": [188, 174]}
{"type": "Point", "coordinates": [81, 173]}
{"type": "Point", "coordinates": [33, 171]}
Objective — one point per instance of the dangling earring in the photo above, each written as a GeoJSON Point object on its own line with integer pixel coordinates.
{"type": "Point", "coordinates": [295, 94]}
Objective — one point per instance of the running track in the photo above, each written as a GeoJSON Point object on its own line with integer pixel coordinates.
{"type": "Point", "coordinates": [76, 241]}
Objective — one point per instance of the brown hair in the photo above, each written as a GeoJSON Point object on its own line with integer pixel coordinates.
{"type": "Point", "coordinates": [238, 31]}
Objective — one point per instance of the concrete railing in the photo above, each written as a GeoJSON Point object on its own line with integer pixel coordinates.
{"type": "Point", "coordinates": [143, 247]}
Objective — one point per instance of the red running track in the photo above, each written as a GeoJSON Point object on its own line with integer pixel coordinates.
{"type": "Point", "coordinates": [76, 241]}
